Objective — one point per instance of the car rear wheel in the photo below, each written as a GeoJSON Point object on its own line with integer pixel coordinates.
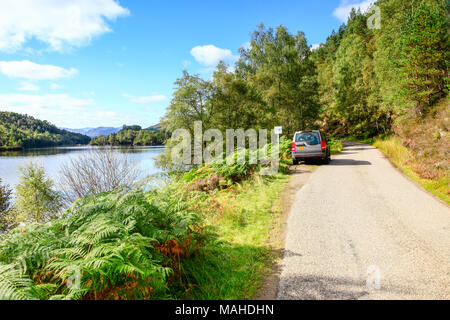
{"type": "Point", "coordinates": [294, 162]}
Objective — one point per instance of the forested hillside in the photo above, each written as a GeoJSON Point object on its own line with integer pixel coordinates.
{"type": "Point", "coordinates": [357, 83]}
{"type": "Point", "coordinates": [393, 81]}
{"type": "Point", "coordinates": [23, 131]}
{"type": "Point", "coordinates": [369, 77]}
{"type": "Point", "coordinates": [365, 81]}
{"type": "Point", "coordinates": [132, 136]}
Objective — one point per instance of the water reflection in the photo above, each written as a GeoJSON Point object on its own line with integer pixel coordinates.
{"type": "Point", "coordinates": [53, 158]}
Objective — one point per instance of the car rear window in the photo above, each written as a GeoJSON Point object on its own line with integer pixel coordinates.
{"type": "Point", "coordinates": [308, 137]}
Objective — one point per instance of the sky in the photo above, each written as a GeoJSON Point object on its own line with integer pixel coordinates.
{"type": "Point", "coordinates": [91, 63]}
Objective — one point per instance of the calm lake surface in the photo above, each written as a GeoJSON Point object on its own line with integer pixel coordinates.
{"type": "Point", "coordinates": [53, 158]}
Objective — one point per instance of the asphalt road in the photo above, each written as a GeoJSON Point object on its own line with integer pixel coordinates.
{"type": "Point", "coordinates": [359, 229]}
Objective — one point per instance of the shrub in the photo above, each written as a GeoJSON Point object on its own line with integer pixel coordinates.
{"type": "Point", "coordinates": [118, 245]}
{"type": "Point", "coordinates": [98, 171]}
{"type": "Point", "coordinates": [224, 173]}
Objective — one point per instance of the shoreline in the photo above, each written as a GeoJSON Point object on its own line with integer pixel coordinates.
{"type": "Point", "coordinates": [8, 149]}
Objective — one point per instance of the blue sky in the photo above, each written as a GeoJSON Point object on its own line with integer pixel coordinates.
{"type": "Point", "coordinates": [89, 63]}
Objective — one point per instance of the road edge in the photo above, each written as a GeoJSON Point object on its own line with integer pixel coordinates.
{"type": "Point", "coordinates": [300, 175]}
{"type": "Point", "coordinates": [416, 184]}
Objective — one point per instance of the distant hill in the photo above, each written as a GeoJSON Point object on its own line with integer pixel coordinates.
{"type": "Point", "coordinates": [106, 131]}
{"type": "Point", "coordinates": [156, 127]}
{"type": "Point", "coordinates": [134, 136]}
{"type": "Point", "coordinates": [23, 131]}
{"type": "Point", "coordinates": [95, 132]}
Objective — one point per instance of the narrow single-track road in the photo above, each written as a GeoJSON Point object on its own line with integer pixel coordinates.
{"type": "Point", "coordinates": [359, 229]}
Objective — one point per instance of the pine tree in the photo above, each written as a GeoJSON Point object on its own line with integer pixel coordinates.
{"type": "Point", "coordinates": [425, 52]}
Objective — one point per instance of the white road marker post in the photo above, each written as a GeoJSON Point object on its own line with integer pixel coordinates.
{"type": "Point", "coordinates": [278, 131]}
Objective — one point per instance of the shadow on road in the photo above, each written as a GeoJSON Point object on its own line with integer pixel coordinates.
{"type": "Point", "coordinates": [349, 162]}
{"type": "Point", "coordinates": [360, 148]}
{"type": "Point", "coordinates": [312, 287]}
{"type": "Point", "coordinates": [299, 169]}
{"type": "Point", "coordinates": [287, 253]}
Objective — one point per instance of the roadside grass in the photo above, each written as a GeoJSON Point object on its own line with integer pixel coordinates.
{"type": "Point", "coordinates": [420, 147]}
{"type": "Point", "coordinates": [404, 159]}
{"type": "Point", "coordinates": [244, 221]}
{"type": "Point", "coordinates": [335, 146]}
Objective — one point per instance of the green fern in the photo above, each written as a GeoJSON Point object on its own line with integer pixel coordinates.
{"type": "Point", "coordinates": [111, 241]}
{"type": "Point", "coordinates": [14, 284]}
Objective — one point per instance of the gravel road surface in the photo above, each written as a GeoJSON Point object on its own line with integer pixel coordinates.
{"type": "Point", "coordinates": [359, 229]}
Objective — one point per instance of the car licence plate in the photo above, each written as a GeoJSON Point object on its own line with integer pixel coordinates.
{"type": "Point", "coordinates": [300, 148]}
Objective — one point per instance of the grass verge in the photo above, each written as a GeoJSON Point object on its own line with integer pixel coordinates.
{"type": "Point", "coordinates": [245, 221]}
{"type": "Point", "coordinates": [336, 146]}
{"type": "Point", "coordinates": [403, 159]}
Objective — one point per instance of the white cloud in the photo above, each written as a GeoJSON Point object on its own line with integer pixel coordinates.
{"type": "Point", "coordinates": [32, 71]}
{"type": "Point", "coordinates": [60, 109]}
{"type": "Point", "coordinates": [66, 111]}
{"type": "Point", "coordinates": [210, 55]}
{"type": "Point", "coordinates": [55, 86]}
{"type": "Point", "coordinates": [60, 24]}
{"type": "Point", "coordinates": [42, 101]}
{"type": "Point", "coordinates": [57, 108]}
{"type": "Point", "coordinates": [315, 46]}
{"type": "Point", "coordinates": [343, 11]}
{"type": "Point", "coordinates": [28, 86]}
{"type": "Point", "coordinates": [146, 99]}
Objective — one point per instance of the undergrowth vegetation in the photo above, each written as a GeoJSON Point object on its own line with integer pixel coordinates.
{"type": "Point", "coordinates": [220, 174]}
{"type": "Point", "coordinates": [335, 146]}
{"type": "Point", "coordinates": [421, 149]}
{"type": "Point", "coordinates": [179, 241]}
{"type": "Point", "coordinates": [402, 158]}
{"type": "Point", "coordinates": [119, 245]}
{"type": "Point", "coordinates": [244, 221]}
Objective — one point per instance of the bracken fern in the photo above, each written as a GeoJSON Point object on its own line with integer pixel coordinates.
{"type": "Point", "coordinates": [111, 246]}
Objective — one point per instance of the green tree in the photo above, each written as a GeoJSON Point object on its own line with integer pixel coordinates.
{"type": "Point", "coordinates": [278, 64]}
{"type": "Point", "coordinates": [411, 57]}
{"type": "Point", "coordinates": [353, 102]}
{"type": "Point", "coordinates": [130, 137]}
{"type": "Point", "coordinates": [191, 102]}
{"type": "Point", "coordinates": [354, 82]}
{"type": "Point", "coordinates": [388, 52]}
{"type": "Point", "coordinates": [237, 102]}
{"type": "Point", "coordinates": [36, 200]}
{"type": "Point", "coordinates": [425, 54]}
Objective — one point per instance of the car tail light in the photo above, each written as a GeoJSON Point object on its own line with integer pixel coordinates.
{"type": "Point", "coordinates": [293, 147]}
{"type": "Point", "coordinates": [323, 145]}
